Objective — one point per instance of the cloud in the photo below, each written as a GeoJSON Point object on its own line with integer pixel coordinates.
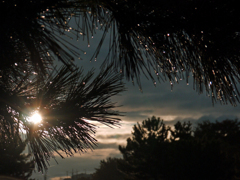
{"type": "Point", "coordinates": [60, 177]}
{"type": "Point", "coordinates": [107, 146]}
{"type": "Point", "coordinates": [195, 121]}
{"type": "Point", "coordinates": [113, 136]}
{"type": "Point", "coordinates": [183, 102]}
{"type": "Point", "coordinates": [141, 114]}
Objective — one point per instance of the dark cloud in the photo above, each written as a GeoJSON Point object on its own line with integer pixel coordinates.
{"type": "Point", "coordinates": [107, 146]}
{"type": "Point", "coordinates": [182, 102]}
{"type": "Point", "coordinates": [210, 118]}
{"type": "Point", "coordinates": [113, 136]}
{"type": "Point", "coordinates": [138, 115]}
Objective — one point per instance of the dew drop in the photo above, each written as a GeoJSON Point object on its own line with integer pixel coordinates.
{"type": "Point", "coordinates": [88, 45]}
{"type": "Point", "coordinates": [16, 64]}
{"type": "Point", "coordinates": [85, 52]}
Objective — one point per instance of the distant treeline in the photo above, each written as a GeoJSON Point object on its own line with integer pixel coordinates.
{"type": "Point", "coordinates": [210, 150]}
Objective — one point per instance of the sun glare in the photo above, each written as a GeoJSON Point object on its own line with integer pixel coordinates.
{"type": "Point", "coordinates": [35, 118]}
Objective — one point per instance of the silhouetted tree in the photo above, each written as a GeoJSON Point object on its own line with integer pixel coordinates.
{"type": "Point", "coordinates": [69, 104]}
{"type": "Point", "coordinates": [198, 159]}
{"type": "Point", "coordinates": [182, 153]}
{"type": "Point", "coordinates": [146, 151]}
{"type": "Point", "coordinates": [165, 40]}
{"type": "Point", "coordinates": [170, 40]}
{"type": "Point", "coordinates": [226, 131]}
{"type": "Point", "coordinates": [13, 161]}
{"type": "Point", "coordinates": [68, 101]}
{"type": "Point", "coordinates": [108, 170]}
{"type": "Point", "coordinates": [227, 134]}
{"type": "Point", "coordinates": [183, 131]}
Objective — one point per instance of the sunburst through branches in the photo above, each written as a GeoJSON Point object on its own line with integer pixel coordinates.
{"type": "Point", "coordinates": [35, 118]}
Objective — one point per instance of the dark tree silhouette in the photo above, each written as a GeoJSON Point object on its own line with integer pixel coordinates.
{"type": "Point", "coordinates": [108, 170]}
{"type": "Point", "coordinates": [146, 150]}
{"type": "Point", "coordinates": [177, 39]}
{"type": "Point", "coordinates": [198, 155]}
{"type": "Point", "coordinates": [165, 40]}
{"type": "Point", "coordinates": [69, 104]}
{"type": "Point", "coordinates": [227, 133]}
{"type": "Point", "coordinates": [13, 161]}
{"type": "Point", "coordinates": [157, 152]}
{"type": "Point", "coordinates": [183, 131]}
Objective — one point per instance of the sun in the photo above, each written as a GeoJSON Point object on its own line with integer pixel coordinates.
{"type": "Point", "coordinates": [35, 118]}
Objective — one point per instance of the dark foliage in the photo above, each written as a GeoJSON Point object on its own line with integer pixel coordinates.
{"type": "Point", "coordinates": [211, 151]}
{"type": "Point", "coordinates": [13, 162]}
{"type": "Point", "coordinates": [108, 170]}
{"type": "Point", "coordinates": [165, 40]}
{"type": "Point", "coordinates": [178, 39]}
{"type": "Point", "coordinates": [146, 151]}
{"type": "Point", "coordinates": [32, 38]}
{"type": "Point", "coordinates": [68, 102]}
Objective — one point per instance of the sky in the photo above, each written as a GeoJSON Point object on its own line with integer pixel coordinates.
{"type": "Point", "coordinates": [180, 104]}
